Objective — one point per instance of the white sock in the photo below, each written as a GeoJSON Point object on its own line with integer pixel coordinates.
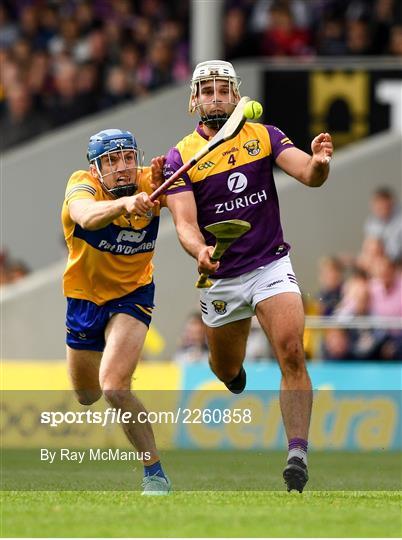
{"type": "Point", "coordinates": [298, 452]}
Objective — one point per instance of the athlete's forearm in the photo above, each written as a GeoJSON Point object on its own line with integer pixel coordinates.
{"type": "Point", "coordinates": [102, 213]}
{"type": "Point", "coordinates": [190, 238]}
{"type": "Point", "coordinates": [315, 173]}
{"type": "Point", "coordinates": [310, 170]}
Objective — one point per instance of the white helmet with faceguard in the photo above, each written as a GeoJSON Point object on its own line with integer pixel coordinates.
{"type": "Point", "coordinates": [214, 70]}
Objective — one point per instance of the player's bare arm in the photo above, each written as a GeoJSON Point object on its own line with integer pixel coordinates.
{"type": "Point", "coordinates": [183, 208]}
{"type": "Point", "coordinates": [311, 170]}
{"type": "Point", "coordinates": [92, 215]}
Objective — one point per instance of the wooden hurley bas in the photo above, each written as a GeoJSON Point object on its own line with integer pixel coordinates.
{"type": "Point", "coordinates": [225, 232]}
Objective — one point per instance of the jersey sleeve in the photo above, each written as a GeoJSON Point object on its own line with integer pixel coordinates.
{"type": "Point", "coordinates": [81, 185]}
{"type": "Point", "coordinates": [279, 141]}
{"type": "Point", "coordinates": [173, 162]}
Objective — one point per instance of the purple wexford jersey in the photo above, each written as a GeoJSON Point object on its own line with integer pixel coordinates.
{"type": "Point", "coordinates": [235, 181]}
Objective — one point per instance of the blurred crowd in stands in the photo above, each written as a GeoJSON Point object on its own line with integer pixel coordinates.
{"type": "Point", "coordinates": [63, 60]}
{"type": "Point", "coordinates": [11, 270]}
{"type": "Point", "coordinates": [309, 28]}
{"type": "Point", "coordinates": [367, 284]}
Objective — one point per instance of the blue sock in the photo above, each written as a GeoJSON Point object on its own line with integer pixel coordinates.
{"type": "Point", "coordinates": [154, 470]}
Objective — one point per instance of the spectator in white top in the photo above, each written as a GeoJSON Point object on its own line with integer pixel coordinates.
{"type": "Point", "coordinates": [385, 222]}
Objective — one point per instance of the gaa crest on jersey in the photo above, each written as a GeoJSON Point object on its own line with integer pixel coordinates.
{"type": "Point", "coordinates": [253, 147]}
{"type": "Point", "coordinates": [205, 165]}
{"type": "Point", "coordinates": [219, 306]}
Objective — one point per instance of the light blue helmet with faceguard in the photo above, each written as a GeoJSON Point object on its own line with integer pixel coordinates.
{"type": "Point", "coordinates": [106, 142]}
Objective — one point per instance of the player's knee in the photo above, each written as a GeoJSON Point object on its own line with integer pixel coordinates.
{"type": "Point", "coordinates": [224, 373]}
{"type": "Point", "coordinates": [88, 397]}
{"type": "Point", "coordinates": [293, 368]}
{"type": "Point", "coordinates": [110, 381]}
{"type": "Point", "coordinates": [115, 398]}
{"type": "Point", "coordinates": [292, 357]}
{"type": "Point", "coordinates": [115, 390]}
{"type": "Point", "coordinates": [291, 350]}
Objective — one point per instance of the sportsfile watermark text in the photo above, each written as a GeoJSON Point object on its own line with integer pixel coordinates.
{"type": "Point", "coordinates": [116, 416]}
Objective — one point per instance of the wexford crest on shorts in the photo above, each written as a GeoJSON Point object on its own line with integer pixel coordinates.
{"type": "Point", "coordinates": [220, 306]}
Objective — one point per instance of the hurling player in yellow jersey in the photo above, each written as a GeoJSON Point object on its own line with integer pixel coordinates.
{"type": "Point", "coordinates": [110, 226]}
{"type": "Point", "coordinates": [255, 275]}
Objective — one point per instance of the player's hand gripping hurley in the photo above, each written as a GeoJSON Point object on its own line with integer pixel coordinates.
{"type": "Point", "coordinates": [225, 232]}
{"type": "Point", "coordinates": [230, 129]}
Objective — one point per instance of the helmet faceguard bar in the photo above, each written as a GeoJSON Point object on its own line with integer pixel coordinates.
{"type": "Point", "coordinates": [214, 70]}
{"type": "Point", "coordinates": [107, 143]}
{"type": "Point", "coordinates": [215, 120]}
{"type": "Point", "coordinates": [126, 189]}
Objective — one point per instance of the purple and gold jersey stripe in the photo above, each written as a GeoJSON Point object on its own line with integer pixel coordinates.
{"type": "Point", "coordinates": [235, 181]}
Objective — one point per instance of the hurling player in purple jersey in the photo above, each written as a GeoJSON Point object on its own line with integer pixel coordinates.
{"type": "Point", "coordinates": [255, 275]}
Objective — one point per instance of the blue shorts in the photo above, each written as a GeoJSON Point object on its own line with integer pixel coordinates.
{"type": "Point", "coordinates": [86, 321]}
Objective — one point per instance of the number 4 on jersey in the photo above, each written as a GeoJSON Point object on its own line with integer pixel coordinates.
{"type": "Point", "coordinates": [231, 159]}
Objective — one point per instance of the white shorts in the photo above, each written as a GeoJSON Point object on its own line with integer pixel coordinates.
{"type": "Point", "coordinates": [233, 299]}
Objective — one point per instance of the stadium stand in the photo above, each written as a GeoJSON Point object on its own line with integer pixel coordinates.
{"type": "Point", "coordinates": [61, 62]}
{"type": "Point", "coordinates": [64, 62]}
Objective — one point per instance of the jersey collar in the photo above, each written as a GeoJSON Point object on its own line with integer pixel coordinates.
{"type": "Point", "coordinates": [200, 130]}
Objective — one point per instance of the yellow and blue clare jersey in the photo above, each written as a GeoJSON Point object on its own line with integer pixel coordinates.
{"type": "Point", "coordinates": [113, 261]}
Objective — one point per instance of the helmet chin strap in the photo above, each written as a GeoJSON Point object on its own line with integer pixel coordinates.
{"type": "Point", "coordinates": [214, 122]}
{"type": "Point", "coordinates": [122, 191]}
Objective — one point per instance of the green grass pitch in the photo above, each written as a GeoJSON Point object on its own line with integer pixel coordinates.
{"type": "Point", "coordinates": [353, 509]}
